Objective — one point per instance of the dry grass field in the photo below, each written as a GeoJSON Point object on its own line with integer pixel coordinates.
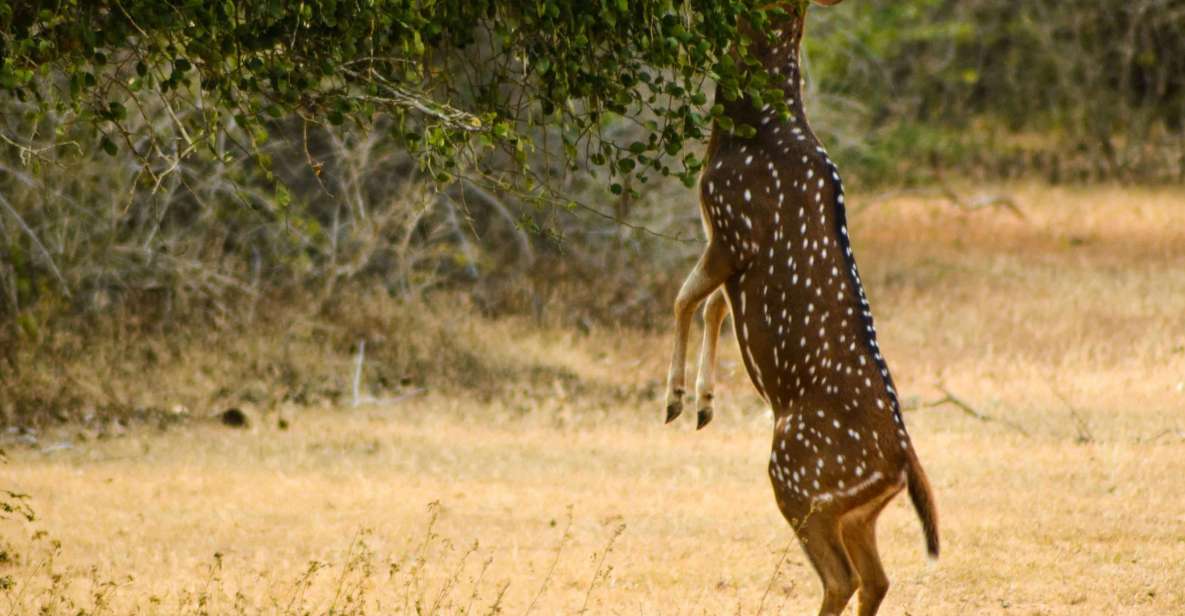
{"type": "Point", "coordinates": [1063, 330]}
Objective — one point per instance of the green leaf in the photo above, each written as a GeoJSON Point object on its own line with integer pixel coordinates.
{"type": "Point", "coordinates": [281, 195]}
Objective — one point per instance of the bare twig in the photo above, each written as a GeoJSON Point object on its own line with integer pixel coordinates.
{"type": "Point", "coordinates": [421, 558]}
{"type": "Point", "coordinates": [358, 361]}
{"type": "Point", "coordinates": [1081, 425]}
{"type": "Point", "coordinates": [470, 188]}
{"type": "Point", "coordinates": [451, 581]}
{"type": "Point", "coordinates": [402, 97]}
{"type": "Point", "coordinates": [356, 554]}
{"type": "Point", "coordinates": [467, 249]}
{"type": "Point", "coordinates": [496, 606]}
{"type": "Point", "coordinates": [552, 196]}
{"type": "Point", "coordinates": [554, 561]}
{"type": "Point", "coordinates": [53, 267]}
{"type": "Point", "coordinates": [1162, 434]}
{"type": "Point", "coordinates": [597, 575]}
{"type": "Point", "coordinates": [948, 194]}
{"type": "Point", "coordinates": [28, 152]}
{"type": "Point", "coordinates": [477, 584]}
{"type": "Point", "coordinates": [980, 202]}
{"type": "Point", "coordinates": [959, 403]}
{"type": "Point", "coordinates": [774, 576]}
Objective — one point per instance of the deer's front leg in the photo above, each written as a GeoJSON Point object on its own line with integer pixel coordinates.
{"type": "Point", "coordinates": [710, 272]}
{"type": "Point", "coordinates": [705, 383]}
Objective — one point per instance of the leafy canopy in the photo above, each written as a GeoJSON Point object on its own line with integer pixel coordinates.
{"type": "Point", "coordinates": [475, 87]}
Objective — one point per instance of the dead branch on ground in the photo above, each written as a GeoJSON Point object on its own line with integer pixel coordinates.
{"type": "Point", "coordinates": [1081, 425]}
{"type": "Point", "coordinates": [967, 409]}
{"type": "Point", "coordinates": [943, 190]}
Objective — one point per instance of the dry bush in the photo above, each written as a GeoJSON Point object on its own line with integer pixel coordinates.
{"type": "Point", "coordinates": [116, 368]}
{"type": "Point", "coordinates": [113, 280]}
{"type": "Point", "coordinates": [116, 258]}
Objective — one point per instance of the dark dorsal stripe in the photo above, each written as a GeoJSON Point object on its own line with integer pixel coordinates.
{"type": "Point", "coordinates": [845, 244]}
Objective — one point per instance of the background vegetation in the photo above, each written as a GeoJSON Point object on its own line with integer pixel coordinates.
{"type": "Point", "coordinates": [1088, 91]}
{"type": "Point", "coordinates": [219, 168]}
{"type": "Point", "coordinates": [335, 306]}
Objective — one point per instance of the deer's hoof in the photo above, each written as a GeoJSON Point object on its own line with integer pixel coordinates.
{"type": "Point", "coordinates": [674, 409]}
{"type": "Point", "coordinates": [674, 404]}
{"type": "Point", "coordinates": [703, 417]}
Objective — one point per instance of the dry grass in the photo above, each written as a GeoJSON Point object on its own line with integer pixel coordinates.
{"type": "Point", "coordinates": [573, 497]}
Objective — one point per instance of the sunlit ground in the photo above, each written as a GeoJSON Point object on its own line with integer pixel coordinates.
{"type": "Point", "coordinates": [1063, 330]}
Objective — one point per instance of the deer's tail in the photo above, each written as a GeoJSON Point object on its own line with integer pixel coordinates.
{"type": "Point", "coordinates": [923, 501]}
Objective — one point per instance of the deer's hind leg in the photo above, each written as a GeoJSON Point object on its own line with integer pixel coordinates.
{"type": "Point", "coordinates": [859, 538]}
{"type": "Point", "coordinates": [712, 269]}
{"type": "Point", "coordinates": [823, 543]}
{"type": "Point", "coordinates": [715, 310]}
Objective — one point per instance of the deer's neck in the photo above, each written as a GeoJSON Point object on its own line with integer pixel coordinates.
{"type": "Point", "coordinates": [779, 57]}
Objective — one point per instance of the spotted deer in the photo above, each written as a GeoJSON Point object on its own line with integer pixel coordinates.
{"type": "Point", "coordinates": [779, 258]}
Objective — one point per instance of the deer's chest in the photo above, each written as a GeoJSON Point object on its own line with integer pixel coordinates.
{"type": "Point", "coordinates": [761, 203]}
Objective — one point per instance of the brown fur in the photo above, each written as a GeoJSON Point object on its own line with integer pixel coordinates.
{"type": "Point", "coordinates": [778, 253]}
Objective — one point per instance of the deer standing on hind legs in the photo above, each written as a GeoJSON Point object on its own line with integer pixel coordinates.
{"type": "Point", "coordinates": [778, 254]}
